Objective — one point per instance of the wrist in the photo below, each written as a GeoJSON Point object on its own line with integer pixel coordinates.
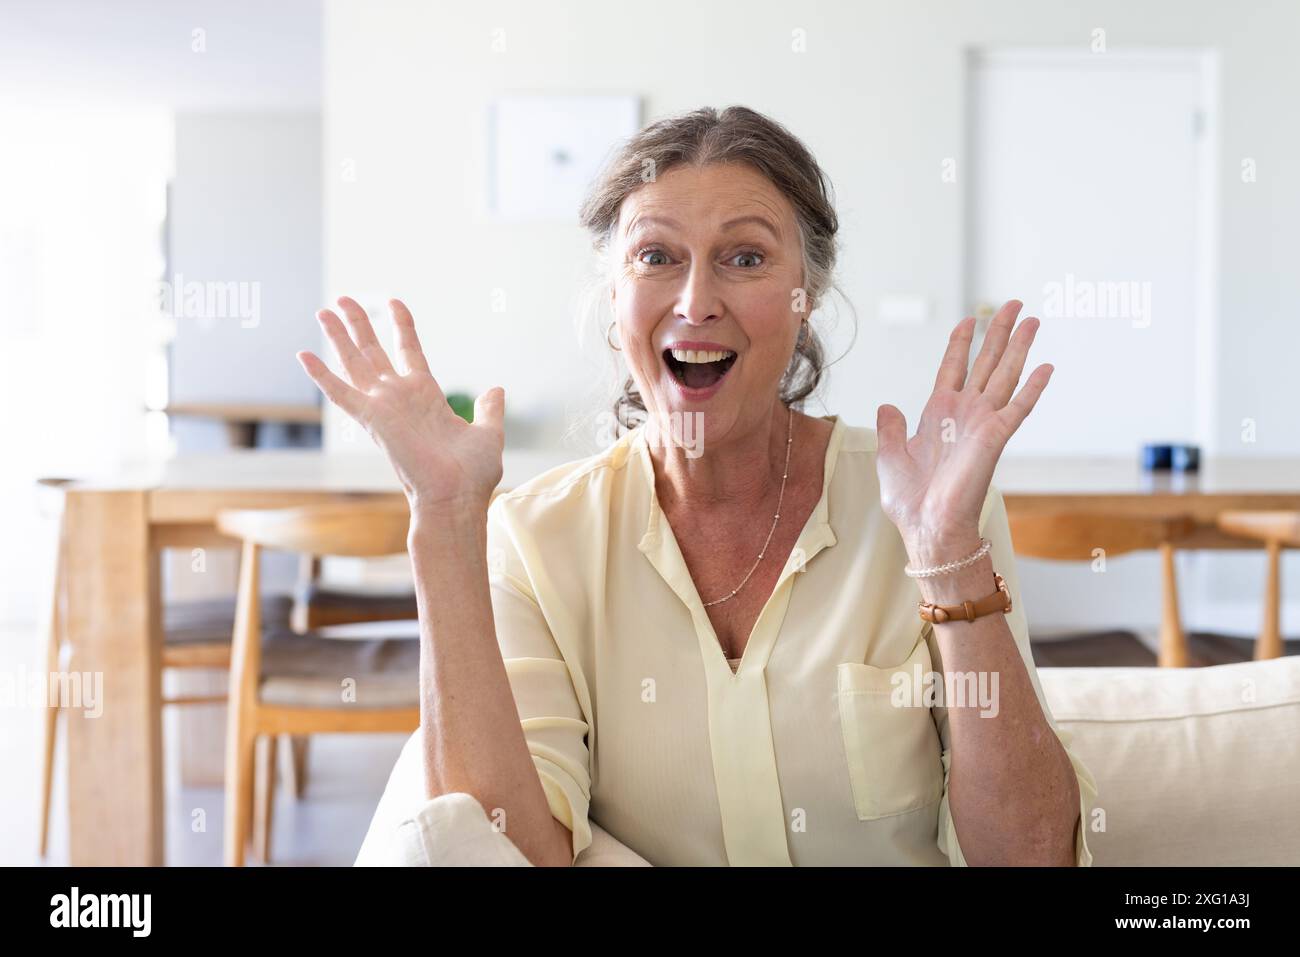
{"type": "Point", "coordinates": [447, 520]}
{"type": "Point", "coordinates": [447, 507]}
{"type": "Point", "coordinates": [965, 584]}
{"type": "Point", "coordinates": [929, 547]}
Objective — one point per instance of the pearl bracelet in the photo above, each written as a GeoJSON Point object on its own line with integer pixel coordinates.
{"type": "Point", "coordinates": [971, 559]}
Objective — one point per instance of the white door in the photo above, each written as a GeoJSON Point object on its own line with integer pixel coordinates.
{"type": "Point", "coordinates": [1087, 196]}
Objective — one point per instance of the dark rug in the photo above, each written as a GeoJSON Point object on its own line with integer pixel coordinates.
{"type": "Point", "coordinates": [1122, 649]}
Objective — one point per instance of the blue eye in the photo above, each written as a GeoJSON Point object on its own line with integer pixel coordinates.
{"type": "Point", "coordinates": [652, 252]}
{"type": "Point", "coordinates": [754, 255]}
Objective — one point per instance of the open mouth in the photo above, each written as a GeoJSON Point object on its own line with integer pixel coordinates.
{"type": "Point", "coordinates": [696, 369]}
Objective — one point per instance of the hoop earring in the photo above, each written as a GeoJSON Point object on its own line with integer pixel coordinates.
{"type": "Point", "coordinates": [608, 330]}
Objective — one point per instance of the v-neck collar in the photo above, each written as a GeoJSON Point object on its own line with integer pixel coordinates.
{"type": "Point", "coordinates": [739, 713]}
{"type": "Point", "coordinates": [660, 546]}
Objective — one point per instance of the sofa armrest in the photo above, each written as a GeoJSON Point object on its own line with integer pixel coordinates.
{"type": "Point", "coordinates": [607, 851]}
{"type": "Point", "coordinates": [453, 830]}
{"type": "Point", "coordinates": [1194, 766]}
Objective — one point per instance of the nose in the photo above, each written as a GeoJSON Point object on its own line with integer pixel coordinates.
{"type": "Point", "coordinates": [699, 299]}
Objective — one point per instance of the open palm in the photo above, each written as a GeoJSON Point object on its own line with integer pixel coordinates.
{"type": "Point", "coordinates": [440, 459]}
{"type": "Point", "coordinates": [933, 485]}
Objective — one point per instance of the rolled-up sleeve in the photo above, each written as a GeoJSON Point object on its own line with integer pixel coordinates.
{"type": "Point", "coordinates": [554, 725]}
{"type": "Point", "coordinates": [995, 527]}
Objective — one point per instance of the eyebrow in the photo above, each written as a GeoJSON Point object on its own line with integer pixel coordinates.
{"type": "Point", "coordinates": [757, 220]}
{"type": "Point", "coordinates": [643, 221]}
{"type": "Point", "coordinates": [738, 221]}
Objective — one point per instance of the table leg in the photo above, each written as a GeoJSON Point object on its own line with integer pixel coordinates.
{"type": "Point", "coordinates": [1173, 640]}
{"type": "Point", "coordinates": [115, 787]}
{"type": "Point", "coordinates": [1269, 643]}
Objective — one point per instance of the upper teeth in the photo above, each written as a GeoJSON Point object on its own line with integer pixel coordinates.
{"type": "Point", "coordinates": [700, 355]}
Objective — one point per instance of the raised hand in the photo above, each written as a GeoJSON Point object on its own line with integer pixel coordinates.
{"type": "Point", "coordinates": [441, 460]}
{"type": "Point", "coordinates": [933, 485]}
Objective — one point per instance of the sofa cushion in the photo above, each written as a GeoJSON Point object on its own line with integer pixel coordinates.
{"type": "Point", "coordinates": [409, 829]}
{"type": "Point", "coordinates": [1194, 766]}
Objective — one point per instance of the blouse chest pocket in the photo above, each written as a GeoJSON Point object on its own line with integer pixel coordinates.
{"type": "Point", "coordinates": [892, 748]}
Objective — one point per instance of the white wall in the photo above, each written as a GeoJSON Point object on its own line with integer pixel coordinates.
{"type": "Point", "coordinates": [245, 210]}
{"type": "Point", "coordinates": [179, 54]}
{"type": "Point", "coordinates": [88, 92]}
{"type": "Point", "coordinates": [81, 210]}
{"type": "Point", "coordinates": [244, 223]}
{"type": "Point", "coordinates": [878, 96]}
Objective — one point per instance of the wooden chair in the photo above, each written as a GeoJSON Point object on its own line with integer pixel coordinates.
{"type": "Point", "coordinates": [196, 635]}
{"type": "Point", "coordinates": [318, 604]}
{"type": "Point", "coordinates": [282, 682]}
{"type": "Point", "coordinates": [1277, 530]}
{"type": "Point", "coordinates": [1074, 536]}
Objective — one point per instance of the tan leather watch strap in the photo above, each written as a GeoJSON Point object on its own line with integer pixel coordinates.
{"type": "Point", "coordinates": [1000, 600]}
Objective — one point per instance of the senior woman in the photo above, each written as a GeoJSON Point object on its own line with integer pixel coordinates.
{"type": "Point", "coordinates": [730, 650]}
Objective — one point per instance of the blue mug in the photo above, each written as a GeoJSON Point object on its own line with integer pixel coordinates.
{"type": "Point", "coordinates": [1165, 456]}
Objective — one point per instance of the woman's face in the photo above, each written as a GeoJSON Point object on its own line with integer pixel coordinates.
{"type": "Point", "coordinates": [707, 261]}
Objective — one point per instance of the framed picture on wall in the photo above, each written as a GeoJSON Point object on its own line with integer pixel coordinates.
{"type": "Point", "coordinates": [544, 151]}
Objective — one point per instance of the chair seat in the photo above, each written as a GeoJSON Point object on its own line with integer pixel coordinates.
{"type": "Point", "coordinates": [309, 671]}
{"type": "Point", "coordinates": [377, 602]}
{"type": "Point", "coordinates": [204, 620]}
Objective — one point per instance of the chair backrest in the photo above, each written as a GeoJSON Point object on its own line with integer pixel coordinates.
{"type": "Point", "coordinates": [1261, 526]}
{"type": "Point", "coordinates": [361, 529]}
{"type": "Point", "coordinates": [355, 529]}
{"type": "Point", "coordinates": [1074, 536]}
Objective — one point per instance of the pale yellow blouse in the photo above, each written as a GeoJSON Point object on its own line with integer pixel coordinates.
{"type": "Point", "coordinates": [635, 718]}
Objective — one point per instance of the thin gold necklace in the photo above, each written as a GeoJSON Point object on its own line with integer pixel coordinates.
{"type": "Point", "coordinates": [789, 439]}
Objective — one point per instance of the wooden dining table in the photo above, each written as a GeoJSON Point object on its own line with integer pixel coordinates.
{"type": "Point", "coordinates": [117, 526]}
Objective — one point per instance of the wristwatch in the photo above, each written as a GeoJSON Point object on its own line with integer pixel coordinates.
{"type": "Point", "coordinates": [1000, 600]}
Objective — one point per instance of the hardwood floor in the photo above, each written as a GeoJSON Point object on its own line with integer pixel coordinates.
{"type": "Point", "coordinates": [1137, 649]}
{"type": "Point", "coordinates": [323, 827]}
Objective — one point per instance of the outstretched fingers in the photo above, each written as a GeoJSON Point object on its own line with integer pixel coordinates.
{"type": "Point", "coordinates": [408, 342]}
{"type": "Point", "coordinates": [1019, 407]}
{"type": "Point", "coordinates": [952, 369]}
{"type": "Point", "coordinates": [364, 333]}
{"type": "Point", "coordinates": [361, 372]}
{"type": "Point", "coordinates": [995, 342]}
{"type": "Point", "coordinates": [1007, 374]}
{"type": "Point", "coordinates": [336, 390]}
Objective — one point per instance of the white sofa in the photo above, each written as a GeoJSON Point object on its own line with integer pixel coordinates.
{"type": "Point", "coordinates": [1194, 766]}
{"type": "Point", "coordinates": [409, 831]}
